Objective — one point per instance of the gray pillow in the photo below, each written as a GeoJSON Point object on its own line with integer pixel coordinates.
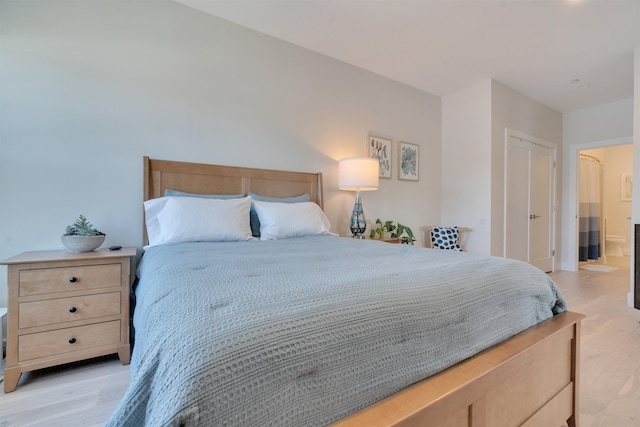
{"type": "Point", "coordinates": [176, 193]}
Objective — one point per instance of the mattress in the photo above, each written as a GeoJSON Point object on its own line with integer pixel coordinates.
{"type": "Point", "coordinates": [304, 331]}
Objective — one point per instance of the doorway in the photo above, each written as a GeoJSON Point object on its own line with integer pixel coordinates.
{"type": "Point", "coordinates": [530, 200]}
{"type": "Point", "coordinates": [570, 254]}
{"type": "Point", "coordinates": [604, 204]}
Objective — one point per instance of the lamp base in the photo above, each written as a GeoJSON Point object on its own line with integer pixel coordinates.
{"type": "Point", "coordinates": [358, 223]}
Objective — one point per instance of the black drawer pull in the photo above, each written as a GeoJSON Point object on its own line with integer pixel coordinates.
{"type": "Point", "coordinates": [73, 310]}
{"type": "Point", "coordinates": [73, 279]}
{"type": "Point", "coordinates": [72, 340]}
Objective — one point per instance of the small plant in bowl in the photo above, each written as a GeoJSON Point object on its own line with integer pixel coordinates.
{"type": "Point", "coordinates": [81, 236]}
{"type": "Point", "coordinates": [394, 231]}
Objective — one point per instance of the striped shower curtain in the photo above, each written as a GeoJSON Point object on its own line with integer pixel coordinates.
{"type": "Point", "coordinates": [590, 210]}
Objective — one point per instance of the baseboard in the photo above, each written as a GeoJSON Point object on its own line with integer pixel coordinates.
{"type": "Point", "coordinates": [565, 266]}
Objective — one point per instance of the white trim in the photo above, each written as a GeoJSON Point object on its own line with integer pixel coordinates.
{"type": "Point", "coordinates": [532, 139]}
{"type": "Point", "coordinates": [571, 263]}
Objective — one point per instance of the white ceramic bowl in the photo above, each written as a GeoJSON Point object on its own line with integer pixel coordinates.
{"type": "Point", "coordinates": [82, 243]}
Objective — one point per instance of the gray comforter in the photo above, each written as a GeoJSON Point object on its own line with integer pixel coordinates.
{"type": "Point", "coordinates": [302, 332]}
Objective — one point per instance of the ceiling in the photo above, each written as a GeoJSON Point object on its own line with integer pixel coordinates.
{"type": "Point", "coordinates": [544, 49]}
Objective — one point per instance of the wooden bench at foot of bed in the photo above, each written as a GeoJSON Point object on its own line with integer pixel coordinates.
{"type": "Point", "coordinates": [529, 380]}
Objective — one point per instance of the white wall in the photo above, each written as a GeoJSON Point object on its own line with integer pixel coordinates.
{"type": "Point", "coordinates": [466, 164]}
{"type": "Point", "coordinates": [89, 88]}
{"type": "Point", "coordinates": [600, 126]}
{"type": "Point", "coordinates": [633, 299]}
{"type": "Point", "coordinates": [473, 151]}
{"type": "Point", "coordinates": [510, 109]}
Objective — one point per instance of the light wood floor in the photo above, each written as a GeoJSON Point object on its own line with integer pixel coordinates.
{"type": "Point", "coordinates": [610, 347]}
{"type": "Point", "coordinates": [85, 394]}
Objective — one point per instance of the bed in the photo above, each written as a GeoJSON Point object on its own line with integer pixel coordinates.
{"type": "Point", "coordinates": [318, 330]}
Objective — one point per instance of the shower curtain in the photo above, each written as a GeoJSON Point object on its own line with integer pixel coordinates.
{"type": "Point", "coordinates": [590, 209]}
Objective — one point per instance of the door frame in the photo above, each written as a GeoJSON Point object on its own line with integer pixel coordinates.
{"type": "Point", "coordinates": [571, 264]}
{"type": "Point", "coordinates": [554, 185]}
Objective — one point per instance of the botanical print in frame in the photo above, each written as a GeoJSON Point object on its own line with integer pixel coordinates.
{"type": "Point", "coordinates": [626, 187]}
{"type": "Point", "coordinates": [408, 161]}
{"type": "Point", "coordinates": [380, 148]}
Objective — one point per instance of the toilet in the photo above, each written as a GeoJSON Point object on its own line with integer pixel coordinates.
{"type": "Point", "coordinates": [613, 245]}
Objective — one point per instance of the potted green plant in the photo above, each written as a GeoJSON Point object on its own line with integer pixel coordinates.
{"type": "Point", "coordinates": [81, 236]}
{"type": "Point", "coordinates": [394, 230]}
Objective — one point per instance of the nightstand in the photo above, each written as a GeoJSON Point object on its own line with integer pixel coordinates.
{"type": "Point", "coordinates": [388, 240]}
{"type": "Point", "coordinates": [64, 307]}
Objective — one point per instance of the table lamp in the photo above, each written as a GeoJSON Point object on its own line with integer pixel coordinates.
{"type": "Point", "coordinates": [358, 174]}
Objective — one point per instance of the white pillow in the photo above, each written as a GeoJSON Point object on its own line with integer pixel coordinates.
{"type": "Point", "coordinates": [194, 219]}
{"type": "Point", "coordinates": [284, 220]}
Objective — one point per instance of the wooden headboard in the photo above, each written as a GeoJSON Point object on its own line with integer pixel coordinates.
{"type": "Point", "coordinates": [199, 178]}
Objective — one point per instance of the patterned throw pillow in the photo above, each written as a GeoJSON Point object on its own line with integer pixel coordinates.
{"type": "Point", "coordinates": [445, 238]}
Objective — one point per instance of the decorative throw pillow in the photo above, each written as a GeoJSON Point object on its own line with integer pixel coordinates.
{"type": "Point", "coordinates": [447, 238]}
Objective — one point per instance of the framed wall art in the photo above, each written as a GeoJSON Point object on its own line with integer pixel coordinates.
{"type": "Point", "coordinates": [408, 161]}
{"type": "Point", "coordinates": [380, 148]}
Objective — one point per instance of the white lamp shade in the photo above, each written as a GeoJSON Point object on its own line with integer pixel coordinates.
{"type": "Point", "coordinates": [358, 174]}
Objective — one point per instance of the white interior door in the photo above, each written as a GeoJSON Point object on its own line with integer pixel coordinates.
{"type": "Point", "coordinates": [541, 215]}
{"type": "Point", "coordinates": [517, 214]}
{"type": "Point", "coordinates": [529, 204]}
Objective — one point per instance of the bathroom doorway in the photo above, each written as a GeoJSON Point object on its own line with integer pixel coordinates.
{"type": "Point", "coordinates": [604, 198]}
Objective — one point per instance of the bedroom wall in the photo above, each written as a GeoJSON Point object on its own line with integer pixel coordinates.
{"type": "Point", "coordinates": [633, 298]}
{"type": "Point", "coordinates": [466, 150]}
{"type": "Point", "coordinates": [89, 88]}
{"type": "Point", "coordinates": [510, 109]}
{"type": "Point", "coordinates": [474, 122]}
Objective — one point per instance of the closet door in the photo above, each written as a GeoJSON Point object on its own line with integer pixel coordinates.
{"type": "Point", "coordinates": [529, 206]}
{"type": "Point", "coordinates": [517, 209]}
{"type": "Point", "coordinates": [541, 214]}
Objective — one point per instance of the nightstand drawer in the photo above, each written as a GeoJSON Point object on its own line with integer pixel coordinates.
{"type": "Point", "coordinates": [43, 344]}
{"type": "Point", "coordinates": [64, 279]}
{"type": "Point", "coordinates": [40, 313]}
